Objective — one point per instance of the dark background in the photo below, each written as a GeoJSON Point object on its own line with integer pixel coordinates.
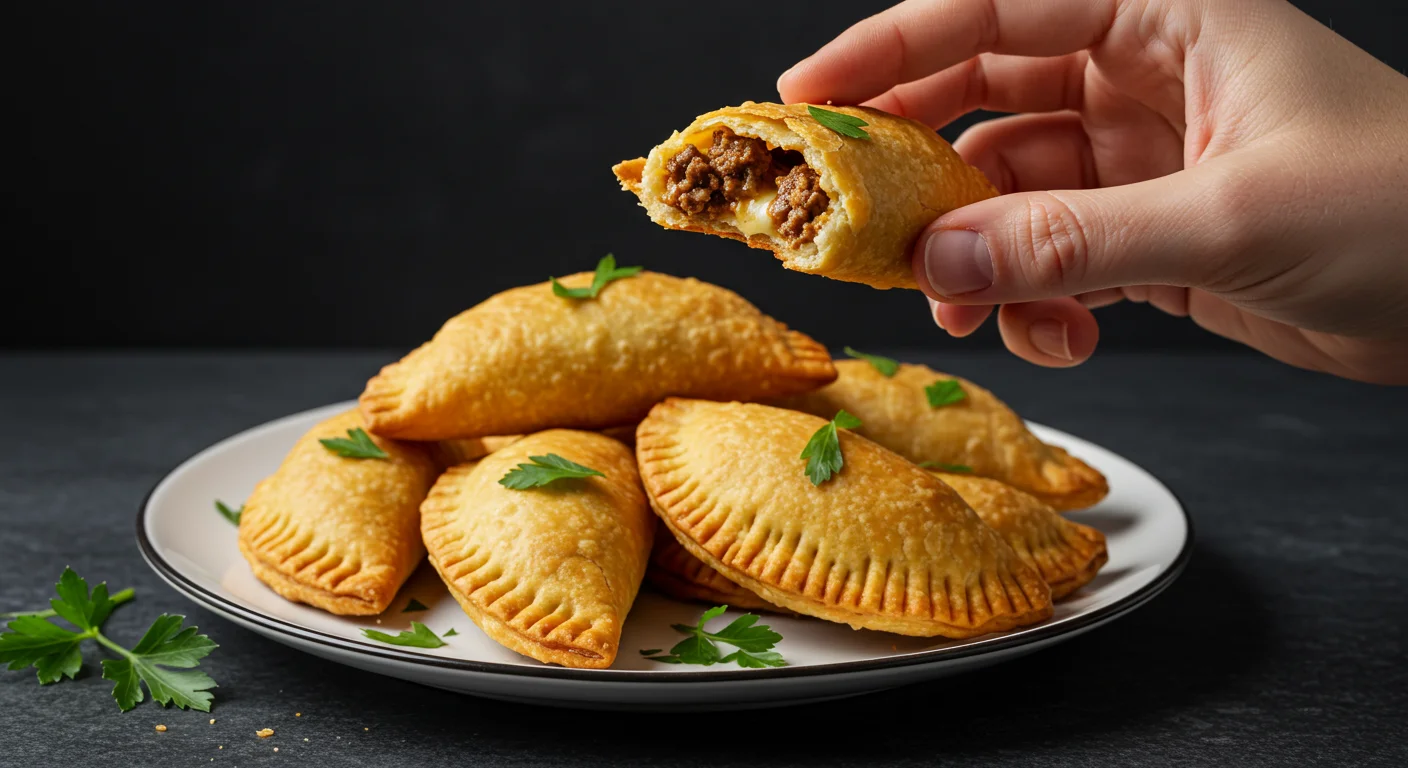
{"type": "Point", "coordinates": [353, 173]}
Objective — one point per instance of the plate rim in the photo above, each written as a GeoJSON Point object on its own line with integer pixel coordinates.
{"type": "Point", "coordinates": [1038, 636]}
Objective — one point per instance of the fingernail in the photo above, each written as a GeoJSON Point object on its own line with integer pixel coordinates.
{"type": "Point", "coordinates": [934, 312]}
{"type": "Point", "coordinates": [957, 261]}
{"type": "Point", "coordinates": [1049, 336]}
{"type": "Point", "coordinates": [784, 76]}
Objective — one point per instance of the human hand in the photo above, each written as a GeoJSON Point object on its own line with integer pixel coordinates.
{"type": "Point", "coordinates": [1236, 163]}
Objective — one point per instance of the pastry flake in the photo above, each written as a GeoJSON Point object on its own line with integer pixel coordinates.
{"type": "Point", "coordinates": [883, 545]}
{"type": "Point", "coordinates": [340, 534]}
{"type": "Point", "coordinates": [978, 431]}
{"type": "Point", "coordinates": [548, 572]}
{"type": "Point", "coordinates": [526, 360]}
{"type": "Point", "coordinates": [1066, 554]}
{"type": "Point", "coordinates": [772, 176]}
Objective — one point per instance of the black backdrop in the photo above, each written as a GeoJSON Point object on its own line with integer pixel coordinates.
{"type": "Point", "coordinates": [278, 173]}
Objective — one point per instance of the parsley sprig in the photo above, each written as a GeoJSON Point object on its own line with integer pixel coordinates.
{"type": "Point", "coordinates": [164, 659]}
{"type": "Point", "coordinates": [606, 271]}
{"type": "Point", "coordinates": [886, 366]}
{"type": "Point", "coordinates": [357, 445]}
{"type": "Point", "coordinates": [231, 514]}
{"type": "Point", "coordinates": [846, 125]}
{"type": "Point", "coordinates": [544, 470]}
{"type": "Point", "coordinates": [944, 392]}
{"type": "Point", "coordinates": [823, 450]}
{"type": "Point", "coordinates": [419, 636]}
{"type": "Point", "coordinates": [753, 643]}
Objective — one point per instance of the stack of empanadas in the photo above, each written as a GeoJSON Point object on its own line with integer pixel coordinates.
{"type": "Point", "coordinates": [559, 444]}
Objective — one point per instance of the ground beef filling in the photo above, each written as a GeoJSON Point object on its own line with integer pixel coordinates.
{"type": "Point", "coordinates": [738, 168]}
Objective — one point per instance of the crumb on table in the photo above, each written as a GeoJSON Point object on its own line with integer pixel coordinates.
{"type": "Point", "coordinates": [264, 733]}
{"type": "Point", "coordinates": [161, 729]}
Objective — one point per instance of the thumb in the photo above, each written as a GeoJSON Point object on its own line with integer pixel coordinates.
{"type": "Point", "coordinates": [1174, 230]}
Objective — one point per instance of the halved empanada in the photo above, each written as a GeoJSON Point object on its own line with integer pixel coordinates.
{"type": "Point", "coordinates": [527, 359]}
{"type": "Point", "coordinates": [1066, 554]}
{"type": "Point", "coordinates": [338, 533]}
{"type": "Point", "coordinates": [979, 431]}
{"type": "Point", "coordinates": [677, 573]}
{"type": "Point", "coordinates": [773, 177]}
{"type": "Point", "coordinates": [882, 545]}
{"type": "Point", "coordinates": [549, 572]}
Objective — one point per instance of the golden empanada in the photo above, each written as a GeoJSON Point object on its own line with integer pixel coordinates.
{"type": "Point", "coordinates": [549, 572]}
{"type": "Point", "coordinates": [882, 545]}
{"type": "Point", "coordinates": [338, 533]}
{"type": "Point", "coordinates": [677, 573]}
{"type": "Point", "coordinates": [773, 177]}
{"type": "Point", "coordinates": [527, 359]}
{"type": "Point", "coordinates": [449, 453]}
{"type": "Point", "coordinates": [979, 431]}
{"type": "Point", "coordinates": [1066, 554]}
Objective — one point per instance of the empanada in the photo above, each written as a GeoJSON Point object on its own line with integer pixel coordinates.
{"type": "Point", "coordinates": [526, 360]}
{"type": "Point", "coordinates": [979, 431]}
{"type": "Point", "coordinates": [773, 177]}
{"type": "Point", "coordinates": [1065, 553]}
{"type": "Point", "coordinates": [677, 573]}
{"type": "Point", "coordinates": [338, 533]}
{"type": "Point", "coordinates": [549, 572]}
{"type": "Point", "coordinates": [882, 545]}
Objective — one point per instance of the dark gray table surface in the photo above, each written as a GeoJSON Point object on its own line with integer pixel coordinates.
{"type": "Point", "coordinates": [1282, 644]}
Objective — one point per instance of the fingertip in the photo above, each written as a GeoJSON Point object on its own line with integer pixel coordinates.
{"type": "Point", "coordinates": [1057, 333]}
{"type": "Point", "coordinates": [786, 83]}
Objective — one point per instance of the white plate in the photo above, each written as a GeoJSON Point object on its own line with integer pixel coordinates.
{"type": "Point", "coordinates": [193, 548]}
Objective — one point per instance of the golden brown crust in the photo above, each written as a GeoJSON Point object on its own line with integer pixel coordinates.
{"type": "Point", "coordinates": [677, 573]}
{"type": "Point", "coordinates": [882, 545]}
{"type": "Point", "coordinates": [979, 431]}
{"type": "Point", "coordinates": [549, 572]}
{"type": "Point", "coordinates": [882, 191]}
{"type": "Point", "coordinates": [337, 533]}
{"type": "Point", "coordinates": [526, 360]}
{"type": "Point", "coordinates": [1066, 554]}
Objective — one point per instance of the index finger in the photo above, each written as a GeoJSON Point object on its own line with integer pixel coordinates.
{"type": "Point", "coordinates": [920, 37]}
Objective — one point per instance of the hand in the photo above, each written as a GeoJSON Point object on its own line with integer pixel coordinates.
{"type": "Point", "coordinates": [1236, 163]}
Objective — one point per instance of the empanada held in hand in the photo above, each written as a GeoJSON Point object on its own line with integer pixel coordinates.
{"type": "Point", "coordinates": [528, 359]}
{"type": "Point", "coordinates": [977, 431]}
{"type": "Point", "coordinates": [341, 534]}
{"type": "Point", "coordinates": [881, 545]}
{"type": "Point", "coordinates": [550, 571]}
{"type": "Point", "coordinates": [1066, 554]}
{"type": "Point", "coordinates": [777, 178]}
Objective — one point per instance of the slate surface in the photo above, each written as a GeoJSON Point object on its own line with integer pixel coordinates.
{"type": "Point", "coordinates": [1282, 644]}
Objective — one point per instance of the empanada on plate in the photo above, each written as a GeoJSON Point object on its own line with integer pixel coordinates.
{"type": "Point", "coordinates": [979, 431]}
{"type": "Point", "coordinates": [527, 359]}
{"type": "Point", "coordinates": [1066, 554]}
{"type": "Point", "coordinates": [881, 545]}
{"type": "Point", "coordinates": [677, 573]}
{"type": "Point", "coordinates": [549, 572]}
{"type": "Point", "coordinates": [775, 178]}
{"type": "Point", "coordinates": [338, 533]}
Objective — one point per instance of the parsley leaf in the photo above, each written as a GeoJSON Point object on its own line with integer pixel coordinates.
{"type": "Point", "coordinates": [944, 392]}
{"type": "Point", "coordinates": [886, 366]}
{"type": "Point", "coordinates": [753, 643]}
{"type": "Point", "coordinates": [544, 470]}
{"type": "Point", "coordinates": [233, 515]}
{"type": "Point", "coordinates": [451, 633]}
{"type": "Point", "coordinates": [823, 450]}
{"type": "Point", "coordinates": [846, 125]}
{"type": "Point", "coordinates": [606, 271]}
{"type": "Point", "coordinates": [55, 652]}
{"type": "Point", "coordinates": [413, 606]}
{"type": "Point", "coordinates": [359, 446]}
{"type": "Point", "coordinates": [419, 636]}
{"type": "Point", "coordinates": [942, 467]}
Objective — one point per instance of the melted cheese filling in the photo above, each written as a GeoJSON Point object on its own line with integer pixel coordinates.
{"type": "Point", "coordinates": [751, 216]}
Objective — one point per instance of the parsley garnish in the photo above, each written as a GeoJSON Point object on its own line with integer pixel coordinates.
{"type": "Point", "coordinates": [451, 633]}
{"type": "Point", "coordinates": [823, 451]}
{"type": "Point", "coordinates": [359, 446]}
{"type": "Point", "coordinates": [753, 644]}
{"type": "Point", "coordinates": [944, 392]}
{"type": "Point", "coordinates": [606, 271]}
{"type": "Point", "coordinates": [886, 366]}
{"type": "Point", "coordinates": [942, 467]}
{"type": "Point", "coordinates": [166, 647]}
{"type": "Point", "coordinates": [846, 125]}
{"type": "Point", "coordinates": [233, 515]}
{"type": "Point", "coordinates": [544, 470]}
{"type": "Point", "coordinates": [419, 636]}
{"type": "Point", "coordinates": [413, 606]}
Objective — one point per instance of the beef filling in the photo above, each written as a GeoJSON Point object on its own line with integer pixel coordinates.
{"type": "Point", "coordinates": [740, 167]}
{"type": "Point", "coordinates": [800, 199]}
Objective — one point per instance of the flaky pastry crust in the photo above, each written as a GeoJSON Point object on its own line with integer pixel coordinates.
{"type": "Point", "coordinates": [677, 573]}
